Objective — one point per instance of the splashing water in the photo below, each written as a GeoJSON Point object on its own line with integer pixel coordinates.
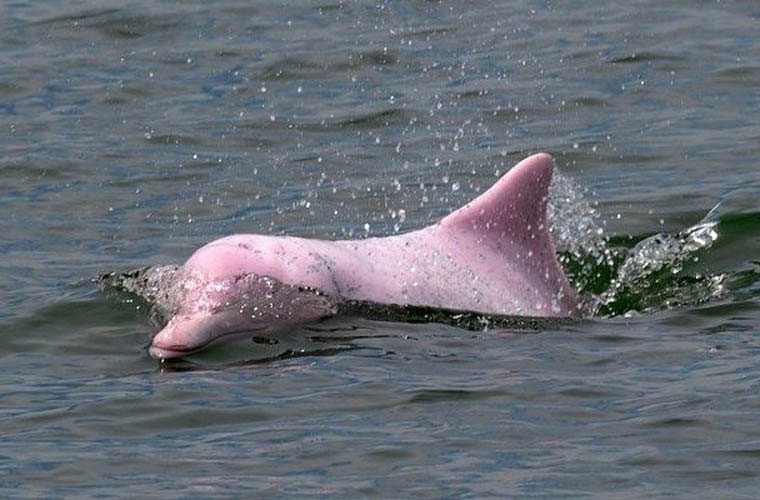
{"type": "Point", "coordinates": [614, 279]}
{"type": "Point", "coordinates": [654, 275]}
{"type": "Point", "coordinates": [158, 286]}
{"type": "Point", "coordinates": [574, 223]}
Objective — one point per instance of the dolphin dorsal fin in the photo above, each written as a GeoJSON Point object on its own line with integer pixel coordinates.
{"type": "Point", "coordinates": [514, 207]}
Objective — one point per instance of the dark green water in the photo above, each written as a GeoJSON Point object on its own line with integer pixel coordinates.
{"type": "Point", "coordinates": [132, 135]}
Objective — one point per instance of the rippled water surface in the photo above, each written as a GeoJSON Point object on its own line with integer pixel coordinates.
{"type": "Point", "coordinates": [132, 135]}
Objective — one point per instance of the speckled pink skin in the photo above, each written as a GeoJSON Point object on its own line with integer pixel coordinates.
{"type": "Point", "coordinates": [494, 255]}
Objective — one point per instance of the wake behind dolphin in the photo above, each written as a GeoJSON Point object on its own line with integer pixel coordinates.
{"type": "Point", "coordinates": [493, 256]}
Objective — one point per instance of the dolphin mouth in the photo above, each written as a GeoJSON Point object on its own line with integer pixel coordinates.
{"type": "Point", "coordinates": [161, 353]}
{"type": "Point", "coordinates": [172, 351]}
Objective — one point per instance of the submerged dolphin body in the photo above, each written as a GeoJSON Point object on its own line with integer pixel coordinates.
{"type": "Point", "coordinates": [494, 255]}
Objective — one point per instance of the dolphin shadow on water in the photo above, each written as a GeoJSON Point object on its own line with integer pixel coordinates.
{"type": "Point", "coordinates": [489, 264]}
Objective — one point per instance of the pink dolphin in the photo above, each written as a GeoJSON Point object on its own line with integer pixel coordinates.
{"type": "Point", "coordinates": [494, 255]}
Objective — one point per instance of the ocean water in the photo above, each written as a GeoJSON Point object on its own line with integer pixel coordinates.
{"type": "Point", "coordinates": [131, 135]}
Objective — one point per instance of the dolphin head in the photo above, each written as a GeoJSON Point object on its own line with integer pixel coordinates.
{"type": "Point", "coordinates": [212, 309]}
